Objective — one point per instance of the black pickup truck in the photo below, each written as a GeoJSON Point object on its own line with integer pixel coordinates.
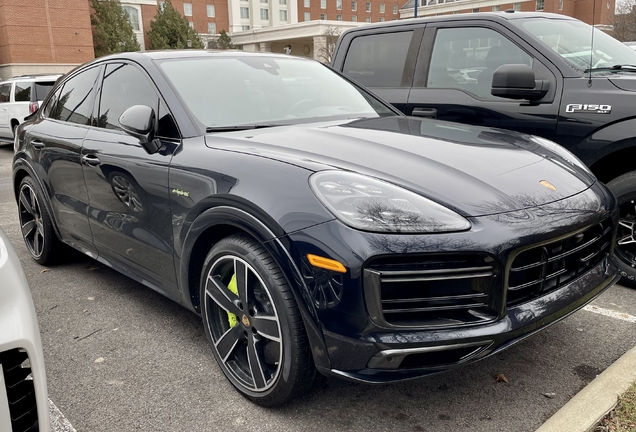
{"type": "Point", "coordinates": [537, 73]}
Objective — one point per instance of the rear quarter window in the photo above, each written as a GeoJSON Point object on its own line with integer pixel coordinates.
{"type": "Point", "coordinates": [42, 89]}
{"type": "Point", "coordinates": [378, 60]}
{"type": "Point", "coordinates": [22, 92]}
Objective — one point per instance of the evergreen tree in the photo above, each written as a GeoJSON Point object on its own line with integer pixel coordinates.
{"type": "Point", "coordinates": [112, 32]}
{"type": "Point", "coordinates": [223, 42]}
{"type": "Point", "coordinates": [171, 30]}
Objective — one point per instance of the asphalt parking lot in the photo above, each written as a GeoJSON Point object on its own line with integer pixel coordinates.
{"type": "Point", "coordinates": [120, 357]}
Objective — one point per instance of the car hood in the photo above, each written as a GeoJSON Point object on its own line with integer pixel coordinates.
{"type": "Point", "coordinates": [624, 82]}
{"type": "Point", "coordinates": [475, 171]}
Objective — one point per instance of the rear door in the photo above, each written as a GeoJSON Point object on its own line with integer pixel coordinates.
{"type": "Point", "coordinates": [56, 142]}
{"type": "Point", "coordinates": [128, 188]}
{"type": "Point", "coordinates": [383, 61]}
{"type": "Point", "coordinates": [453, 78]}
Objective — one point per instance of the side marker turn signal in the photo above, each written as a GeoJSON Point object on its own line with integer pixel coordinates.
{"type": "Point", "coordinates": [326, 263]}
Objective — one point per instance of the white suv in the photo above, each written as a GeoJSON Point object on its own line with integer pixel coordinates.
{"type": "Point", "coordinates": [19, 97]}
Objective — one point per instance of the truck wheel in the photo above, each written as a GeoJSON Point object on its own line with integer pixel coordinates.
{"type": "Point", "coordinates": [624, 187]}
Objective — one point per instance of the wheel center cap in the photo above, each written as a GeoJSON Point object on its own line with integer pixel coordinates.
{"type": "Point", "coordinates": [245, 320]}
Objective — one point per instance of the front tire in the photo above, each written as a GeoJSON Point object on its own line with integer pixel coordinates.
{"type": "Point", "coordinates": [253, 323]}
{"type": "Point", "coordinates": [35, 223]}
{"type": "Point", "coordinates": [624, 188]}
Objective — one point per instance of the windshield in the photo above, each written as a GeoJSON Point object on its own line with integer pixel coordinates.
{"type": "Point", "coordinates": [258, 90]}
{"type": "Point", "coordinates": [572, 41]}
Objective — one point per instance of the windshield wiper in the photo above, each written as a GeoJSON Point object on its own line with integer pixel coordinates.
{"type": "Point", "coordinates": [238, 127]}
{"type": "Point", "coordinates": [615, 68]}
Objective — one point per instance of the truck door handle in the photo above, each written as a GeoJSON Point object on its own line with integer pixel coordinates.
{"type": "Point", "coordinates": [425, 112]}
{"type": "Point", "coordinates": [91, 160]}
{"type": "Point", "coordinates": [37, 144]}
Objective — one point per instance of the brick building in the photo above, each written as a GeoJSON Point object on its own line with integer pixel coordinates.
{"type": "Point", "coordinates": [603, 10]}
{"type": "Point", "coordinates": [349, 10]}
{"type": "Point", "coordinates": [43, 36]}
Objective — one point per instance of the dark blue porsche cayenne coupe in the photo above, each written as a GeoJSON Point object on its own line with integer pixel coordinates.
{"type": "Point", "coordinates": [310, 225]}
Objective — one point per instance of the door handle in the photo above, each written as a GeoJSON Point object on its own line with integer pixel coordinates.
{"type": "Point", "coordinates": [91, 160]}
{"type": "Point", "coordinates": [5, 109]}
{"type": "Point", "coordinates": [37, 144]}
{"type": "Point", "coordinates": [425, 112]}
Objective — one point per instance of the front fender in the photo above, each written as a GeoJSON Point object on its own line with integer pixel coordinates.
{"type": "Point", "coordinates": [268, 233]}
{"type": "Point", "coordinates": [610, 139]}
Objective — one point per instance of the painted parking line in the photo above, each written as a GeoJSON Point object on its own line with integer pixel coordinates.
{"type": "Point", "coordinates": [610, 313]}
{"type": "Point", "coordinates": [59, 423]}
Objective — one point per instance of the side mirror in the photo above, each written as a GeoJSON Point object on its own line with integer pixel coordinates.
{"type": "Point", "coordinates": [139, 121]}
{"type": "Point", "coordinates": [517, 81]}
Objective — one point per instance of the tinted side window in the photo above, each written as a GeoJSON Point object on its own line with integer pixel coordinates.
{"type": "Point", "coordinates": [75, 102]}
{"type": "Point", "coordinates": [378, 60]}
{"type": "Point", "coordinates": [46, 111]}
{"type": "Point", "coordinates": [466, 58]}
{"type": "Point", "coordinates": [22, 92]}
{"type": "Point", "coordinates": [5, 93]}
{"type": "Point", "coordinates": [124, 86]}
{"type": "Point", "coordinates": [42, 89]}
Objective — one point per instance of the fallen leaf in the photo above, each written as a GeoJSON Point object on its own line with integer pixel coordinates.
{"type": "Point", "coordinates": [501, 378]}
{"type": "Point", "coordinates": [100, 360]}
{"type": "Point", "coordinates": [549, 395]}
{"type": "Point", "coordinates": [579, 329]}
{"type": "Point", "coordinates": [45, 270]}
{"type": "Point", "coordinates": [93, 268]}
{"type": "Point", "coordinates": [91, 298]}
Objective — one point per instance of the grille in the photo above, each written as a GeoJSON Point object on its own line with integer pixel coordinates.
{"type": "Point", "coordinates": [545, 268]}
{"type": "Point", "coordinates": [432, 290]}
{"type": "Point", "coordinates": [20, 390]}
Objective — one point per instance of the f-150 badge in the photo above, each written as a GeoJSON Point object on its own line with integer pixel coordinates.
{"type": "Point", "coordinates": [589, 108]}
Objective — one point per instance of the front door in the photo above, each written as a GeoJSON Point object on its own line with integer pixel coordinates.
{"type": "Point", "coordinates": [128, 188]}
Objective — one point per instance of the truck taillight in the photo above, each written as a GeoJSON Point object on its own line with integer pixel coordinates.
{"type": "Point", "coordinates": [33, 107]}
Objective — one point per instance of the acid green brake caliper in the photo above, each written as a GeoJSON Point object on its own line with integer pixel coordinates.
{"type": "Point", "coordinates": [231, 318]}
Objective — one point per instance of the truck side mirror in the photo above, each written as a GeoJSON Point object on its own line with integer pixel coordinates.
{"type": "Point", "coordinates": [517, 81]}
{"type": "Point", "coordinates": [139, 121]}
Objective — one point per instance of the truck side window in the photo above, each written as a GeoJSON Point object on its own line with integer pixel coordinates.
{"type": "Point", "coordinates": [378, 60]}
{"type": "Point", "coordinates": [466, 58]}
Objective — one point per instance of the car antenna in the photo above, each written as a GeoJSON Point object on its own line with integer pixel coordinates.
{"type": "Point", "coordinates": [589, 81]}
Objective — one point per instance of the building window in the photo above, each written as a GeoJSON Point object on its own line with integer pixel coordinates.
{"type": "Point", "coordinates": [368, 7]}
{"type": "Point", "coordinates": [307, 16]}
{"type": "Point", "coordinates": [367, 19]}
{"type": "Point", "coordinates": [265, 14]}
{"type": "Point", "coordinates": [191, 24]}
{"type": "Point", "coordinates": [210, 11]}
{"type": "Point", "coordinates": [265, 1]}
{"type": "Point", "coordinates": [283, 15]}
{"type": "Point", "coordinates": [339, 4]}
{"type": "Point", "coordinates": [354, 18]}
{"type": "Point", "coordinates": [323, 4]}
{"type": "Point", "coordinates": [187, 9]}
{"type": "Point", "coordinates": [381, 19]}
{"type": "Point", "coordinates": [395, 9]}
{"type": "Point", "coordinates": [560, 4]}
{"type": "Point", "coordinates": [354, 5]}
{"type": "Point", "coordinates": [495, 8]}
{"type": "Point", "coordinates": [323, 17]}
{"type": "Point", "coordinates": [455, 12]}
{"type": "Point", "coordinates": [245, 27]}
{"type": "Point", "coordinates": [245, 12]}
{"type": "Point", "coordinates": [475, 10]}
{"type": "Point", "coordinates": [212, 28]}
{"type": "Point", "coordinates": [162, 5]}
{"type": "Point", "coordinates": [516, 6]}
{"type": "Point", "coordinates": [133, 16]}
{"type": "Point", "coordinates": [338, 17]}
{"type": "Point", "coordinates": [283, 2]}
{"type": "Point", "coordinates": [539, 5]}
{"type": "Point", "coordinates": [381, 7]}
{"type": "Point", "coordinates": [307, 3]}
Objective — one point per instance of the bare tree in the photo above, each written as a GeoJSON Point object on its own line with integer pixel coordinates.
{"type": "Point", "coordinates": [326, 50]}
{"type": "Point", "coordinates": [625, 21]}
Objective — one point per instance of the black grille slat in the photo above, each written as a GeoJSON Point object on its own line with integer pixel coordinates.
{"type": "Point", "coordinates": [20, 391]}
{"type": "Point", "coordinates": [438, 290]}
{"type": "Point", "coordinates": [544, 268]}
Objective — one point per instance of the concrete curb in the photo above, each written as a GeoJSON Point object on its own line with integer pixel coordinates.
{"type": "Point", "coordinates": [583, 412]}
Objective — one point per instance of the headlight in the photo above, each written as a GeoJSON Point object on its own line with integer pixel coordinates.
{"type": "Point", "coordinates": [561, 151]}
{"type": "Point", "coordinates": [373, 205]}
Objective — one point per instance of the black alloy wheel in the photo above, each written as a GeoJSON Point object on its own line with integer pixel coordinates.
{"type": "Point", "coordinates": [624, 187]}
{"type": "Point", "coordinates": [253, 323]}
{"type": "Point", "coordinates": [35, 223]}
